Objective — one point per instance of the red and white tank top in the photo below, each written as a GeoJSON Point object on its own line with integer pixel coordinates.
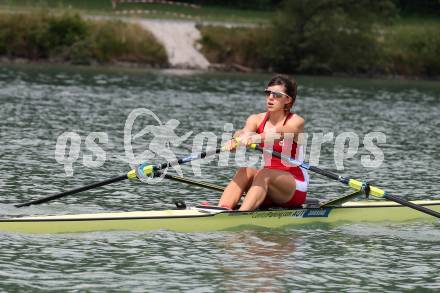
{"type": "Point", "coordinates": [296, 151]}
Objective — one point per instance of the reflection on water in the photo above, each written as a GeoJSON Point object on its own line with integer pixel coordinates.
{"type": "Point", "coordinates": [259, 258]}
{"type": "Point", "coordinates": [37, 105]}
{"type": "Point", "coordinates": [310, 260]}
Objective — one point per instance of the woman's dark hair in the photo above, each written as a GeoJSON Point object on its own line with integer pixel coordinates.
{"type": "Point", "coordinates": [290, 86]}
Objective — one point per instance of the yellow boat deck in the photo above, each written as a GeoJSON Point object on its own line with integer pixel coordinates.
{"type": "Point", "coordinates": [206, 219]}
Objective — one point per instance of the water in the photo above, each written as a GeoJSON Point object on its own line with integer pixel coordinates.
{"type": "Point", "coordinates": [39, 103]}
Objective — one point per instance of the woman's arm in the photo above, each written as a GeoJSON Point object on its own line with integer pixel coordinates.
{"type": "Point", "coordinates": [251, 125]}
{"type": "Point", "coordinates": [293, 127]}
{"type": "Point", "coordinates": [242, 135]}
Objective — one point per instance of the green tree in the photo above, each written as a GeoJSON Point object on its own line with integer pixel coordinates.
{"type": "Point", "coordinates": [419, 7]}
{"type": "Point", "coordinates": [325, 36]}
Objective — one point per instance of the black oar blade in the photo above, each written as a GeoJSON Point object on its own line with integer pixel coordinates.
{"type": "Point", "coordinates": [73, 191]}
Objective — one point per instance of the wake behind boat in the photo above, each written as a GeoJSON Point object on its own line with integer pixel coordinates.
{"type": "Point", "coordinates": [209, 218]}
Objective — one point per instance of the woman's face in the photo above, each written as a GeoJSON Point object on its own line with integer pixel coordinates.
{"type": "Point", "coordinates": [276, 98]}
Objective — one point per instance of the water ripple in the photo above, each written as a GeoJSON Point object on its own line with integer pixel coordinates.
{"type": "Point", "coordinates": [37, 105]}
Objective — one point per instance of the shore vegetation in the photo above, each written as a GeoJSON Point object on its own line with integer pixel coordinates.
{"type": "Point", "coordinates": [69, 38]}
{"type": "Point", "coordinates": [363, 37]}
{"type": "Point", "coordinates": [211, 11]}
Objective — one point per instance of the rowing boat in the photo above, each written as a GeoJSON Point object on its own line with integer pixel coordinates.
{"type": "Point", "coordinates": [211, 218]}
{"type": "Point", "coordinates": [208, 218]}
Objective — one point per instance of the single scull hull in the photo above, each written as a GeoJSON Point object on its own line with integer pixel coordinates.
{"type": "Point", "coordinates": [205, 219]}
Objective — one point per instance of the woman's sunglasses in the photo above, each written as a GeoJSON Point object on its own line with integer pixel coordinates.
{"type": "Point", "coordinates": [275, 94]}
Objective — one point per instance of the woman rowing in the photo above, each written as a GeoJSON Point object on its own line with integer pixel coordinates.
{"type": "Point", "coordinates": [277, 183]}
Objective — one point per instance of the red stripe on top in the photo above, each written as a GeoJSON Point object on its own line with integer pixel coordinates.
{"type": "Point", "coordinates": [274, 162]}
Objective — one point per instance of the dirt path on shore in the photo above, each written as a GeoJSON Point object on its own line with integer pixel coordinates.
{"type": "Point", "coordinates": [179, 39]}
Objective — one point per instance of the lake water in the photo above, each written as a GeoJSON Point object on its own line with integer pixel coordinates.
{"type": "Point", "coordinates": [39, 103]}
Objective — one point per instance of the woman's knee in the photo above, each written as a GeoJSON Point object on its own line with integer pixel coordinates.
{"type": "Point", "coordinates": [262, 175]}
{"type": "Point", "coordinates": [249, 173]}
{"type": "Point", "coordinates": [244, 177]}
{"type": "Point", "coordinates": [241, 170]}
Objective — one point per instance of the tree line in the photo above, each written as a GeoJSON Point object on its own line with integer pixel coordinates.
{"type": "Point", "coordinates": [419, 7]}
{"type": "Point", "coordinates": [332, 36]}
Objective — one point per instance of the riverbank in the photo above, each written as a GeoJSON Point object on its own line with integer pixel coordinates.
{"type": "Point", "coordinates": [408, 51]}
{"type": "Point", "coordinates": [401, 50]}
{"type": "Point", "coordinates": [148, 9]}
{"type": "Point", "coordinates": [70, 38]}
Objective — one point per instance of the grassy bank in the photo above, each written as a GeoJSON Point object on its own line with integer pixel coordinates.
{"type": "Point", "coordinates": [83, 5]}
{"type": "Point", "coordinates": [412, 48]}
{"type": "Point", "coordinates": [232, 46]}
{"type": "Point", "coordinates": [407, 48]}
{"type": "Point", "coordinates": [69, 38]}
{"type": "Point", "coordinates": [150, 10]}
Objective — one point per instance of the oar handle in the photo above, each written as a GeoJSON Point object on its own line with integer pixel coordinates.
{"type": "Point", "coordinates": [73, 191]}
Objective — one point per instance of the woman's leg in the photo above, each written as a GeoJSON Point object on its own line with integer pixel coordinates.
{"type": "Point", "coordinates": [278, 185]}
{"type": "Point", "coordinates": [239, 184]}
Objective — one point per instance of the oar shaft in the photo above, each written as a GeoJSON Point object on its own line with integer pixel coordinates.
{"type": "Point", "coordinates": [73, 191]}
{"type": "Point", "coordinates": [151, 169]}
{"type": "Point", "coordinates": [187, 159]}
{"type": "Point", "coordinates": [412, 205]}
{"type": "Point", "coordinates": [325, 173]}
{"type": "Point", "coordinates": [296, 162]}
{"type": "Point", "coordinates": [194, 182]}
{"type": "Point", "coordinates": [353, 183]}
{"type": "Point", "coordinates": [130, 175]}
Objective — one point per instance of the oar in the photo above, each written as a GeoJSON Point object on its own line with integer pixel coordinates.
{"type": "Point", "coordinates": [353, 183]}
{"type": "Point", "coordinates": [342, 199]}
{"type": "Point", "coordinates": [146, 169]}
{"type": "Point", "coordinates": [192, 182]}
